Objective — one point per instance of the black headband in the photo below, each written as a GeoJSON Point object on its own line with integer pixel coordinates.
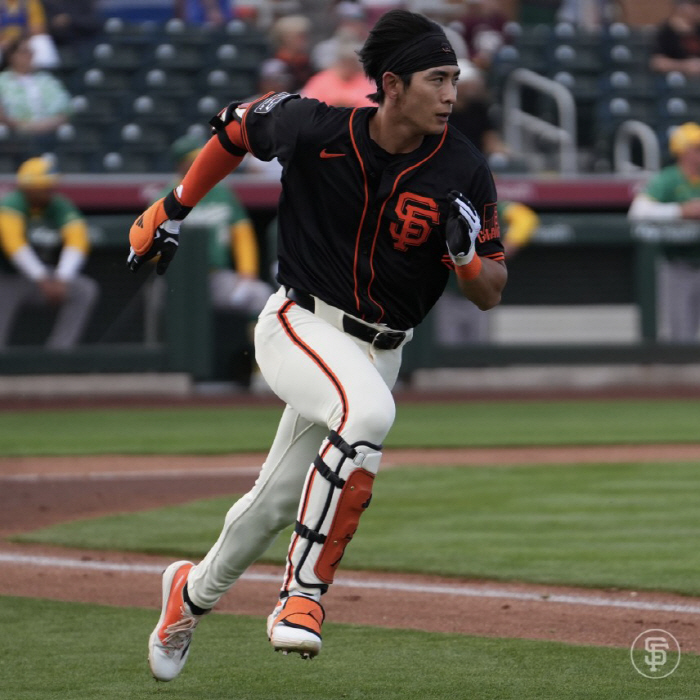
{"type": "Point", "coordinates": [425, 51]}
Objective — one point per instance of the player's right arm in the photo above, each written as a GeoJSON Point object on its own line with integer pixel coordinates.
{"type": "Point", "coordinates": [273, 132]}
{"type": "Point", "coordinates": [157, 230]}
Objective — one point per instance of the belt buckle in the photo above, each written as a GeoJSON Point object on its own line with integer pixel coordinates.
{"type": "Point", "coordinates": [388, 340]}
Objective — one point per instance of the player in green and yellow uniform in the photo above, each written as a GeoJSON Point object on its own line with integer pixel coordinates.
{"type": "Point", "coordinates": [44, 244]}
{"type": "Point", "coordinates": [673, 194]}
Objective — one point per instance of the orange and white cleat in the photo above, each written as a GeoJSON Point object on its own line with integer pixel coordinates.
{"type": "Point", "coordinates": [295, 626]}
{"type": "Point", "coordinates": [169, 643]}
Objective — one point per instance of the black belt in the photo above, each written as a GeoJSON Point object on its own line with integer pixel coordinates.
{"type": "Point", "coordinates": [382, 340]}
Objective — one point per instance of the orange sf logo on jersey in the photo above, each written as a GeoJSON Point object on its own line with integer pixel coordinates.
{"type": "Point", "coordinates": [417, 216]}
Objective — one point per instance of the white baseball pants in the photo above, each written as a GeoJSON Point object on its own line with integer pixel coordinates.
{"type": "Point", "coordinates": [329, 381]}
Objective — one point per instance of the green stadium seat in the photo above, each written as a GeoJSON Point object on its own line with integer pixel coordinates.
{"type": "Point", "coordinates": [161, 82]}
{"type": "Point", "coordinates": [105, 79]}
{"type": "Point", "coordinates": [75, 161]}
{"type": "Point", "coordinates": [118, 56]}
{"type": "Point", "coordinates": [227, 86]}
{"type": "Point", "coordinates": [182, 57]}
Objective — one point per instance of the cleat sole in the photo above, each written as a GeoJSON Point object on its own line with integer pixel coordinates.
{"type": "Point", "coordinates": [306, 650]}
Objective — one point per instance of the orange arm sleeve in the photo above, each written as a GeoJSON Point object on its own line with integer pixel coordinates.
{"type": "Point", "coordinates": [212, 164]}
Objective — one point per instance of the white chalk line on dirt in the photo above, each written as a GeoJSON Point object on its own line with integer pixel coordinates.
{"type": "Point", "coordinates": [144, 475]}
{"type": "Point", "coordinates": [428, 589]}
{"type": "Point", "coordinates": [129, 475]}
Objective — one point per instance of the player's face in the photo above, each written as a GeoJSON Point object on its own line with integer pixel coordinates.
{"type": "Point", "coordinates": [429, 98]}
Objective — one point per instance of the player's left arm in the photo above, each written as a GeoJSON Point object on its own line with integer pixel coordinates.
{"type": "Point", "coordinates": [481, 275]}
{"type": "Point", "coordinates": [486, 288]}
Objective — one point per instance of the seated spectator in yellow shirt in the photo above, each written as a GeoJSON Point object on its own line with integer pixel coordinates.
{"type": "Point", "coordinates": [44, 244]}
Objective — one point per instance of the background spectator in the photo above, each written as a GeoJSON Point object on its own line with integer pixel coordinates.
{"type": "Point", "coordinates": [376, 8]}
{"type": "Point", "coordinates": [44, 242]}
{"type": "Point", "coordinates": [274, 76]}
{"type": "Point", "coordinates": [677, 46]}
{"type": "Point", "coordinates": [291, 41]}
{"type": "Point", "coordinates": [484, 24]}
{"type": "Point", "coordinates": [27, 18]}
{"type": "Point", "coordinates": [344, 83]}
{"type": "Point", "coordinates": [472, 114]}
{"type": "Point", "coordinates": [591, 14]}
{"type": "Point", "coordinates": [72, 22]}
{"type": "Point", "coordinates": [351, 26]}
{"type": "Point", "coordinates": [673, 194]}
{"type": "Point", "coordinates": [32, 103]}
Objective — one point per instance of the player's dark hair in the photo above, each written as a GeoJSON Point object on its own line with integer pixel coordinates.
{"type": "Point", "coordinates": [393, 29]}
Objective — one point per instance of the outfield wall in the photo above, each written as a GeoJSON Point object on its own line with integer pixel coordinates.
{"type": "Point", "coordinates": [582, 293]}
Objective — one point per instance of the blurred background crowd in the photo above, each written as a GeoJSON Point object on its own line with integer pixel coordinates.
{"type": "Point", "coordinates": [120, 91]}
{"type": "Point", "coordinates": [105, 85]}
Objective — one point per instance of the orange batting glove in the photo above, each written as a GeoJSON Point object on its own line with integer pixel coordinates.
{"type": "Point", "coordinates": [157, 233]}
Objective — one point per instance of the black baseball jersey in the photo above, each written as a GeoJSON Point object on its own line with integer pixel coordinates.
{"type": "Point", "coordinates": [360, 228]}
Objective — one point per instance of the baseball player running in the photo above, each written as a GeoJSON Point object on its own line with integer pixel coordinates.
{"type": "Point", "coordinates": [378, 206]}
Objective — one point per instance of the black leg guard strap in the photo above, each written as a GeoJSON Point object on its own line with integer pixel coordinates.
{"type": "Point", "coordinates": [308, 534]}
{"type": "Point", "coordinates": [337, 441]}
{"type": "Point", "coordinates": [325, 471]}
{"type": "Point", "coordinates": [331, 509]}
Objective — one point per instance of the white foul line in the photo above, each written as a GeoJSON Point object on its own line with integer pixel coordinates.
{"type": "Point", "coordinates": [441, 589]}
{"type": "Point", "coordinates": [118, 476]}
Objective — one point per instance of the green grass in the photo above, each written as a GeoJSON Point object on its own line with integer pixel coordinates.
{"type": "Point", "coordinates": [200, 430]}
{"type": "Point", "coordinates": [72, 651]}
{"type": "Point", "coordinates": [631, 526]}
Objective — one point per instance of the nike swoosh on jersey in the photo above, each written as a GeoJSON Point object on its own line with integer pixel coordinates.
{"type": "Point", "coordinates": [326, 154]}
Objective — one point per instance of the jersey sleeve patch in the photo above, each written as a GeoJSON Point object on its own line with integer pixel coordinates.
{"type": "Point", "coordinates": [268, 104]}
{"type": "Point", "coordinates": [490, 228]}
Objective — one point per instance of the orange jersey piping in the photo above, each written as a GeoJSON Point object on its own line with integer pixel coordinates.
{"type": "Point", "coordinates": [381, 212]}
{"type": "Point", "coordinates": [244, 127]}
{"type": "Point", "coordinates": [286, 325]}
{"type": "Point", "coordinates": [364, 211]}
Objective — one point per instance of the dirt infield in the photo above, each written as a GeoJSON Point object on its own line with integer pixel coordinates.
{"type": "Point", "coordinates": [40, 491]}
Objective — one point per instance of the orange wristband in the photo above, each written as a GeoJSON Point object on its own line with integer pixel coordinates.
{"type": "Point", "coordinates": [470, 270]}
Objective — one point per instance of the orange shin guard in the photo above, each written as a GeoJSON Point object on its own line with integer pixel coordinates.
{"type": "Point", "coordinates": [354, 500]}
{"type": "Point", "coordinates": [338, 490]}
